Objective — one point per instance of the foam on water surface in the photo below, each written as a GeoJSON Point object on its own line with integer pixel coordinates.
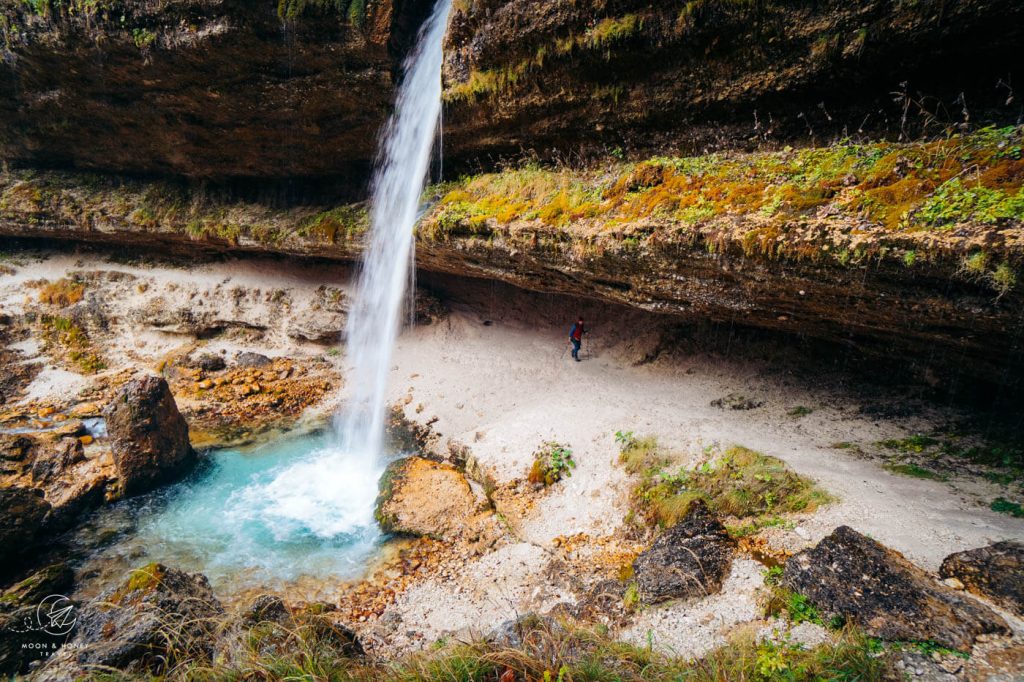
{"type": "Point", "coordinates": [261, 518]}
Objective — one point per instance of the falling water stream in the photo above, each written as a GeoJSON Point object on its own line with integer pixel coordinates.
{"type": "Point", "coordinates": [305, 505]}
{"type": "Point", "coordinates": [398, 183]}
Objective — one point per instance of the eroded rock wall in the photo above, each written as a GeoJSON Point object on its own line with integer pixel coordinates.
{"type": "Point", "coordinates": [556, 78]}
{"type": "Point", "coordinates": [213, 89]}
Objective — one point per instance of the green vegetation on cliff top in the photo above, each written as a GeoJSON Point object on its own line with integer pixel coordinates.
{"type": "Point", "coordinates": [959, 198]}
{"type": "Point", "coordinates": [843, 202]}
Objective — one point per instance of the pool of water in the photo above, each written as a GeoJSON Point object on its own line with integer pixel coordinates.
{"type": "Point", "coordinates": [290, 513]}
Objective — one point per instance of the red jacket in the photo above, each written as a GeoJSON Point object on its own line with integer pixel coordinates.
{"type": "Point", "coordinates": [576, 333]}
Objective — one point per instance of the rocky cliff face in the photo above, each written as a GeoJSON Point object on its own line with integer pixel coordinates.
{"type": "Point", "coordinates": [296, 90]}
{"type": "Point", "coordinates": [547, 77]}
{"type": "Point", "coordinates": [905, 251]}
{"type": "Point", "coordinates": [216, 89]}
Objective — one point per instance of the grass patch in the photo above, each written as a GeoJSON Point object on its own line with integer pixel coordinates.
{"type": "Point", "coordinates": [63, 337]}
{"type": "Point", "coordinates": [1004, 506]}
{"type": "Point", "coordinates": [800, 411]}
{"type": "Point", "coordinates": [914, 471]}
{"type": "Point", "coordinates": [350, 11]}
{"type": "Point", "coordinates": [914, 444]}
{"type": "Point", "coordinates": [749, 486]}
{"type": "Point", "coordinates": [1004, 456]}
{"type": "Point", "coordinates": [552, 651]}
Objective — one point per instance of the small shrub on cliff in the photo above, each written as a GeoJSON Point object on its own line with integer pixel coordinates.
{"type": "Point", "coordinates": [353, 11]}
{"type": "Point", "coordinates": [551, 462]}
{"type": "Point", "coordinates": [63, 292]}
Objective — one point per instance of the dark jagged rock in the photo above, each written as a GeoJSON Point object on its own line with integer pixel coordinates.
{"type": "Point", "coordinates": [20, 632]}
{"type": "Point", "coordinates": [55, 464]}
{"type": "Point", "coordinates": [851, 576]}
{"type": "Point", "coordinates": [65, 454]}
{"type": "Point", "coordinates": [16, 453]}
{"type": "Point", "coordinates": [208, 362]}
{"type": "Point", "coordinates": [522, 632]}
{"type": "Point", "coordinates": [266, 608]}
{"type": "Point", "coordinates": [23, 513]}
{"type": "Point", "coordinates": [155, 617]}
{"type": "Point", "coordinates": [690, 559]}
{"type": "Point", "coordinates": [250, 359]}
{"type": "Point", "coordinates": [319, 619]}
{"type": "Point", "coordinates": [52, 579]}
{"type": "Point", "coordinates": [149, 437]}
{"type": "Point", "coordinates": [995, 572]}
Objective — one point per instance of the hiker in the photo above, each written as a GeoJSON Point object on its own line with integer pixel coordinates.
{"type": "Point", "coordinates": [576, 338]}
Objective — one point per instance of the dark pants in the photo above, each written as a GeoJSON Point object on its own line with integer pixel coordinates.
{"type": "Point", "coordinates": [575, 348]}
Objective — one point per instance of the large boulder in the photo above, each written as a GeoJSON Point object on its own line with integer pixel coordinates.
{"type": "Point", "coordinates": [995, 572]}
{"type": "Point", "coordinates": [851, 576]}
{"type": "Point", "coordinates": [690, 559]}
{"type": "Point", "coordinates": [149, 437]}
{"type": "Point", "coordinates": [426, 498]}
{"type": "Point", "coordinates": [156, 617]}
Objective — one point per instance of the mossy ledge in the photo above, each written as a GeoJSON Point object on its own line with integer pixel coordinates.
{"type": "Point", "coordinates": [892, 248]}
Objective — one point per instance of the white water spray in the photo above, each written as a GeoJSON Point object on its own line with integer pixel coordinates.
{"type": "Point", "coordinates": [398, 183]}
{"type": "Point", "coordinates": [331, 493]}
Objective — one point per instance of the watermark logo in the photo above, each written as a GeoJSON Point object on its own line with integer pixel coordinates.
{"type": "Point", "coordinates": [56, 616]}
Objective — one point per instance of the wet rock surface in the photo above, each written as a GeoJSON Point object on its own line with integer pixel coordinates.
{"type": "Point", "coordinates": [853, 577]}
{"type": "Point", "coordinates": [155, 617]}
{"type": "Point", "coordinates": [690, 559]}
{"type": "Point", "coordinates": [995, 572]}
{"type": "Point", "coordinates": [149, 437]}
{"type": "Point", "coordinates": [48, 481]}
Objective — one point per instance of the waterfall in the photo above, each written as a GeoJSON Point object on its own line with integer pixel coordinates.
{"type": "Point", "coordinates": [401, 172]}
{"type": "Point", "coordinates": [331, 493]}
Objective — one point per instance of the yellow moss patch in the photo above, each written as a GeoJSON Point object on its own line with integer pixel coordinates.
{"type": "Point", "coordinates": [63, 292]}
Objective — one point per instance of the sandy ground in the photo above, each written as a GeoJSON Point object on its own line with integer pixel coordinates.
{"type": "Point", "coordinates": [502, 387]}
{"type": "Point", "coordinates": [495, 375]}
